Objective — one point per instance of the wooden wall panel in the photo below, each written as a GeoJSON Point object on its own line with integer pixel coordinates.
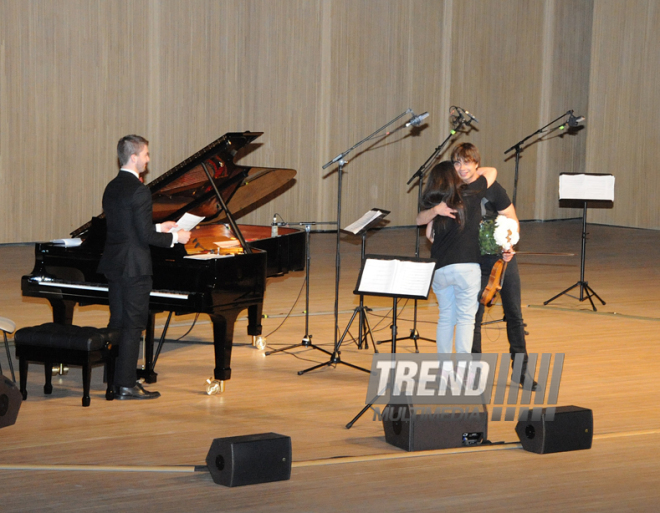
{"type": "Point", "coordinates": [565, 86]}
{"type": "Point", "coordinates": [496, 74]}
{"type": "Point", "coordinates": [384, 60]}
{"type": "Point", "coordinates": [236, 66]}
{"type": "Point", "coordinates": [317, 76]}
{"type": "Point", "coordinates": [73, 78]}
{"type": "Point", "coordinates": [624, 119]}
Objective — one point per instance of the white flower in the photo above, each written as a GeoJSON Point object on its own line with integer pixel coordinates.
{"type": "Point", "coordinates": [506, 232]}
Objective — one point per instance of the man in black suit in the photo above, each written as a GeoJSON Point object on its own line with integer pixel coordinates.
{"type": "Point", "coordinates": [126, 260]}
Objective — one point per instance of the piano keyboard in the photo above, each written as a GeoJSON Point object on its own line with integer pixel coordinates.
{"type": "Point", "coordinates": [102, 288]}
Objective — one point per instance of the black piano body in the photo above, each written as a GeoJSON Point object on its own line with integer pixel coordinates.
{"type": "Point", "coordinates": [222, 286]}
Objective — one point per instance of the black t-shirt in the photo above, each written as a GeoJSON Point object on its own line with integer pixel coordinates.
{"type": "Point", "coordinates": [453, 244]}
{"type": "Point", "coordinates": [495, 200]}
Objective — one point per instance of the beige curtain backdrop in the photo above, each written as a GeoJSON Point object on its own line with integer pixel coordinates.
{"type": "Point", "coordinates": [317, 76]}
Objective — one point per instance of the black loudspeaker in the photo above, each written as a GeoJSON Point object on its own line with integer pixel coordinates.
{"type": "Point", "coordinates": [250, 459]}
{"type": "Point", "coordinates": [570, 430]}
{"type": "Point", "coordinates": [10, 402]}
{"type": "Point", "coordinates": [422, 428]}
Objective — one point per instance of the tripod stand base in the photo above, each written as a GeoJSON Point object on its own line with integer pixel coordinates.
{"type": "Point", "coordinates": [584, 287]}
{"type": "Point", "coordinates": [364, 329]}
{"type": "Point", "coordinates": [414, 336]}
{"type": "Point", "coordinates": [306, 343]}
{"type": "Point", "coordinates": [335, 359]}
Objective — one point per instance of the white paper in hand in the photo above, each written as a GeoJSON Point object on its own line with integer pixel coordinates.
{"type": "Point", "coordinates": [187, 222]}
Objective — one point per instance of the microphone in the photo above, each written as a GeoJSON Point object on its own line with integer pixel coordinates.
{"type": "Point", "coordinates": [455, 117]}
{"type": "Point", "coordinates": [472, 118]}
{"type": "Point", "coordinates": [573, 121]}
{"type": "Point", "coordinates": [417, 120]}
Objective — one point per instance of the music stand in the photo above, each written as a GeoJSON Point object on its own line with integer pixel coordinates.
{"type": "Point", "coordinates": [395, 277]}
{"type": "Point", "coordinates": [360, 227]}
{"type": "Point", "coordinates": [584, 190]}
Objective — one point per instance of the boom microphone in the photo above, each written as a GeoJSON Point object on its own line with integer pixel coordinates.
{"type": "Point", "coordinates": [455, 117]}
{"type": "Point", "coordinates": [472, 118]}
{"type": "Point", "coordinates": [573, 121]}
{"type": "Point", "coordinates": [417, 120]}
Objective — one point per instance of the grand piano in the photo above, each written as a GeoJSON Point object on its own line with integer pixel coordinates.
{"type": "Point", "coordinates": [220, 272]}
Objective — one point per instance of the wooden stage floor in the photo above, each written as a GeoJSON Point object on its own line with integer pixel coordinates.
{"type": "Point", "coordinates": [610, 367]}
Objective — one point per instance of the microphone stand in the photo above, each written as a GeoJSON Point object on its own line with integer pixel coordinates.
{"type": "Point", "coordinates": [419, 175]}
{"type": "Point", "coordinates": [519, 149]}
{"type": "Point", "coordinates": [335, 357]}
{"type": "Point", "coordinates": [307, 338]}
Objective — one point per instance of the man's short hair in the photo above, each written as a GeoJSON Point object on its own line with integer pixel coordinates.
{"type": "Point", "coordinates": [129, 145]}
{"type": "Point", "coordinates": [467, 152]}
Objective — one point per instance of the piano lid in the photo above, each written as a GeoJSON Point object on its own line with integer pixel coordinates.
{"type": "Point", "coordinates": [185, 187]}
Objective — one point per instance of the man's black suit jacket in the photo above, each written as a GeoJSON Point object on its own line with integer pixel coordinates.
{"type": "Point", "coordinates": [129, 213]}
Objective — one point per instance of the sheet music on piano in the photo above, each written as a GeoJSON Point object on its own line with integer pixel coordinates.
{"type": "Point", "coordinates": [207, 256]}
{"type": "Point", "coordinates": [68, 243]}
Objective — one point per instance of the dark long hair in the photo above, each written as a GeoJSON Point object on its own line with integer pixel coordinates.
{"type": "Point", "coordinates": [444, 184]}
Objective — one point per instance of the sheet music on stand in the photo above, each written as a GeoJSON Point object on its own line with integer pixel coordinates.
{"type": "Point", "coordinates": [369, 219]}
{"type": "Point", "coordinates": [584, 190]}
{"type": "Point", "coordinates": [394, 276]}
{"type": "Point", "coordinates": [597, 190]}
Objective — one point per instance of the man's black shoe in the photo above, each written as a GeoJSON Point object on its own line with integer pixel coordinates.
{"type": "Point", "coordinates": [521, 381]}
{"type": "Point", "coordinates": [534, 384]}
{"type": "Point", "coordinates": [136, 392]}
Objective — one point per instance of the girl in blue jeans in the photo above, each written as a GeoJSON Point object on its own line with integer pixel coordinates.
{"type": "Point", "coordinates": [452, 212]}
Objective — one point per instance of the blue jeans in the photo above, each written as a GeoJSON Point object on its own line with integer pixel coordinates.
{"type": "Point", "coordinates": [457, 288]}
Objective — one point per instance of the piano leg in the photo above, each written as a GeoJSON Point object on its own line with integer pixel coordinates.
{"type": "Point", "coordinates": [254, 319]}
{"type": "Point", "coordinates": [223, 338]}
{"type": "Point", "coordinates": [62, 310]}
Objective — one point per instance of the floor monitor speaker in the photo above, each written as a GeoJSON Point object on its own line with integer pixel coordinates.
{"type": "Point", "coordinates": [571, 429]}
{"type": "Point", "coordinates": [10, 401]}
{"type": "Point", "coordinates": [250, 459]}
{"type": "Point", "coordinates": [427, 427]}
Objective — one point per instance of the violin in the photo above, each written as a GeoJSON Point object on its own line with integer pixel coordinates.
{"type": "Point", "coordinates": [494, 283]}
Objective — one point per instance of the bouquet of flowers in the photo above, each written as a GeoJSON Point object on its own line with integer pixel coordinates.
{"type": "Point", "coordinates": [497, 235]}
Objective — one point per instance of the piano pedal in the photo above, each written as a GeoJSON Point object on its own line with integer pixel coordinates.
{"type": "Point", "coordinates": [214, 386]}
{"type": "Point", "coordinates": [60, 370]}
{"type": "Point", "coordinates": [259, 342]}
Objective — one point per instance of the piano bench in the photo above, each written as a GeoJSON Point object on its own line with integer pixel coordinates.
{"type": "Point", "coordinates": [53, 343]}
